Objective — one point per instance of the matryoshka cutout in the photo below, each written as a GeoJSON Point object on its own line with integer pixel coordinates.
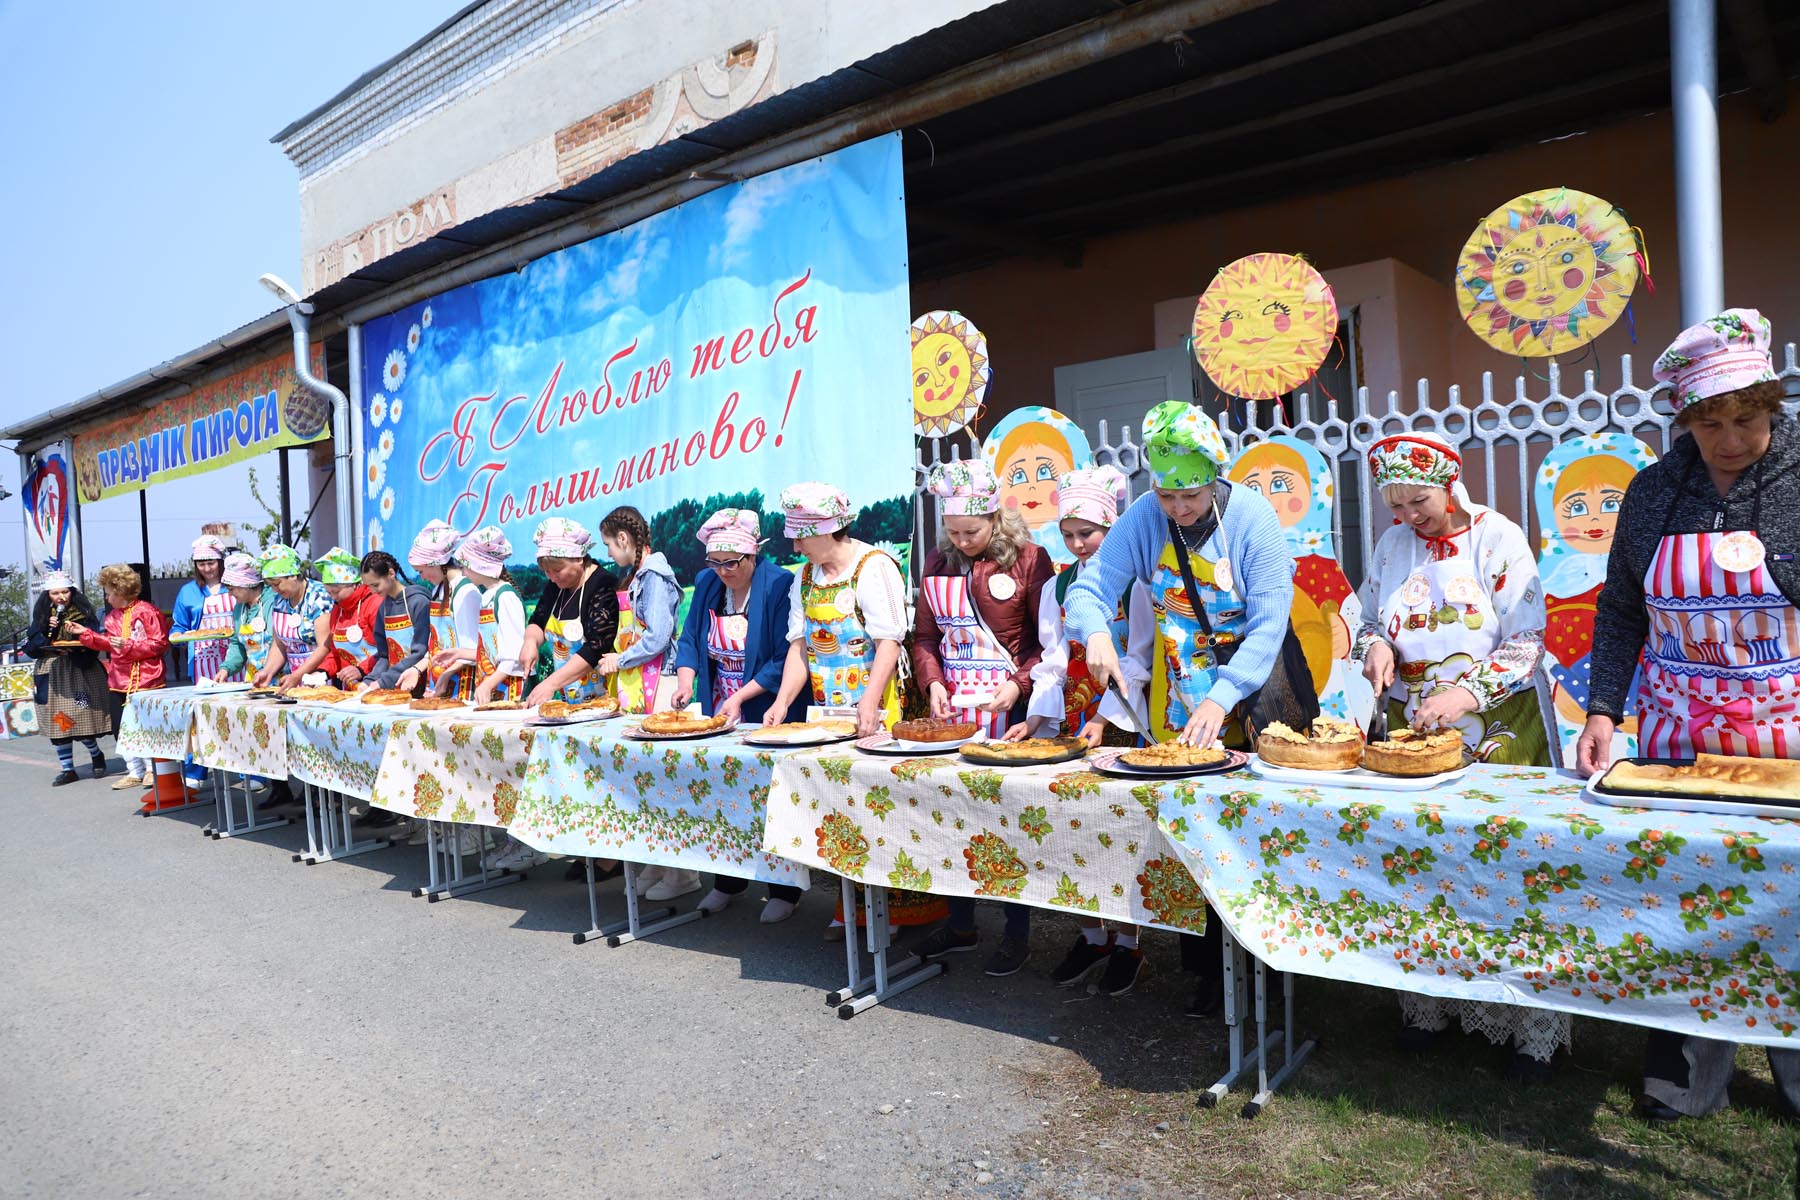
{"type": "Point", "coordinates": [1028, 451]}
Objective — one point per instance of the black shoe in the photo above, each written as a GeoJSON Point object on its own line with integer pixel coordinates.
{"type": "Point", "coordinates": [577, 872]}
{"type": "Point", "coordinates": [1413, 1040]}
{"type": "Point", "coordinates": [1208, 999]}
{"type": "Point", "coordinates": [1657, 1111]}
{"type": "Point", "coordinates": [381, 818]}
{"type": "Point", "coordinates": [1080, 961]}
{"type": "Point", "coordinates": [66, 777]}
{"type": "Point", "coordinates": [1123, 967]}
{"type": "Point", "coordinates": [944, 940]}
{"type": "Point", "coordinates": [1523, 1068]}
{"type": "Point", "coordinates": [1009, 958]}
{"type": "Point", "coordinates": [99, 768]}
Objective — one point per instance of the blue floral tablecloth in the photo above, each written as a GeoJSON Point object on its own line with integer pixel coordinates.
{"type": "Point", "coordinates": [1509, 886]}
{"type": "Point", "coordinates": [697, 804]}
{"type": "Point", "coordinates": [157, 723]}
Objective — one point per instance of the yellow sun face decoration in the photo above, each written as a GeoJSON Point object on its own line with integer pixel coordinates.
{"type": "Point", "coordinates": [949, 373]}
{"type": "Point", "coordinates": [1547, 272]}
{"type": "Point", "coordinates": [1264, 325]}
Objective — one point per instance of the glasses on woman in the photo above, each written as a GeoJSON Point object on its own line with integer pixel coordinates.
{"type": "Point", "coordinates": [727, 564]}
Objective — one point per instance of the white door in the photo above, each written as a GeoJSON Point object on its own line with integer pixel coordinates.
{"type": "Point", "coordinates": [1117, 392]}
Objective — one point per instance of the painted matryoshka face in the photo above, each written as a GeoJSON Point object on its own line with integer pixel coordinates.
{"type": "Point", "coordinates": [1543, 272]}
{"type": "Point", "coordinates": [1288, 491]}
{"type": "Point", "coordinates": [941, 371]}
{"type": "Point", "coordinates": [1588, 517]}
{"type": "Point", "coordinates": [1028, 481]}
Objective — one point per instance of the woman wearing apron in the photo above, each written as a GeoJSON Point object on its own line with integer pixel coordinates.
{"type": "Point", "coordinates": [732, 649]}
{"type": "Point", "coordinates": [1063, 694]}
{"type": "Point", "coordinates": [403, 622]}
{"type": "Point", "coordinates": [452, 621]}
{"type": "Point", "coordinates": [251, 651]}
{"type": "Point", "coordinates": [846, 618]}
{"type": "Point", "coordinates": [501, 646]}
{"type": "Point", "coordinates": [355, 615]}
{"type": "Point", "coordinates": [1452, 637]}
{"type": "Point", "coordinates": [1704, 584]}
{"type": "Point", "coordinates": [71, 681]}
{"type": "Point", "coordinates": [577, 616]}
{"type": "Point", "coordinates": [975, 643]}
{"type": "Point", "coordinates": [302, 613]}
{"type": "Point", "coordinates": [648, 600]}
{"type": "Point", "coordinates": [203, 606]}
{"type": "Point", "coordinates": [1243, 579]}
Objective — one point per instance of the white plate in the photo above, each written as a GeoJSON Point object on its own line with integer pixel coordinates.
{"type": "Point", "coordinates": [887, 743]}
{"type": "Point", "coordinates": [208, 688]}
{"type": "Point", "coordinates": [1359, 777]}
{"type": "Point", "coordinates": [816, 737]}
{"type": "Point", "coordinates": [1693, 804]}
{"type": "Point", "coordinates": [1107, 763]}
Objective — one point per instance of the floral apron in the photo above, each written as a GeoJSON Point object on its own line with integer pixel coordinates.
{"type": "Point", "coordinates": [1721, 672]}
{"type": "Point", "coordinates": [1186, 667]}
{"type": "Point", "coordinates": [1441, 622]}
{"type": "Point", "coordinates": [443, 637]}
{"type": "Point", "coordinates": [1081, 699]}
{"type": "Point", "coordinates": [487, 646]}
{"type": "Point", "coordinates": [254, 632]}
{"type": "Point", "coordinates": [974, 661]}
{"type": "Point", "coordinates": [839, 650]}
{"type": "Point", "coordinates": [633, 687]}
{"type": "Point", "coordinates": [205, 658]}
{"type": "Point", "coordinates": [726, 635]}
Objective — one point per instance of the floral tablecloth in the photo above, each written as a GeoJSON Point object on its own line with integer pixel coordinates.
{"type": "Point", "coordinates": [471, 771]}
{"type": "Point", "coordinates": [337, 748]}
{"type": "Point", "coordinates": [231, 733]}
{"type": "Point", "coordinates": [1050, 836]}
{"type": "Point", "coordinates": [697, 804]}
{"type": "Point", "coordinates": [1508, 885]}
{"type": "Point", "coordinates": [156, 723]}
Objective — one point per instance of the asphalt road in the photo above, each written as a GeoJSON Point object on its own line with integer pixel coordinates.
{"type": "Point", "coordinates": [187, 1018]}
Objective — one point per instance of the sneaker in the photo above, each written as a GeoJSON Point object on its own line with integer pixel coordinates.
{"type": "Point", "coordinates": [647, 878]}
{"type": "Point", "coordinates": [65, 778]}
{"type": "Point", "coordinates": [776, 911]}
{"type": "Point", "coordinates": [382, 818]}
{"type": "Point", "coordinates": [1009, 958]}
{"type": "Point", "coordinates": [944, 940]}
{"type": "Point", "coordinates": [1080, 962]}
{"type": "Point", "coordinates": [673, 884]}
{"type": "Point", "coordinates": [714, 902]}
{"type": "Point", "coordinates": [421, 833]}
{"type": "Point", "coordinates": [468, 840]}
{"type": "Point", "coordinates": [126, 782]}
{"type": "Point", "coordinates": [1122, 970]}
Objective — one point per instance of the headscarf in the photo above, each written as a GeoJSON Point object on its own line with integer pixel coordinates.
{"type": "Point", "coordinates": [559, 537]}
{"type": "Point", "coordinates": [58, 579]}
{"type": "Point", "coordinates": [731, 531]}
{"type": "Point", "coordinates": [1183, 445]}
{"type": "Point", "coordinates": [969, 487]}
{"type": "Point", "coordinates": [810, 509]}
{"type": "Point", "coordinates": [339, 566]}
{"type": "Point", "coordinates": [433, 545]}
{"type": "Point", "coordinates": [1721, 354]}
{"type": "Point", "coordinates": [207, 546]}
{"type": "Point", "coordinates": [1092, 494]}
{"type": "Point", "coordinates": [278, 561]}
{"type": "Point", "coordinates": [486, 551]}
{"type": "Point", "coordinates": [1415, 459]}
{"type": "Point", "coordinates": [241, 571]}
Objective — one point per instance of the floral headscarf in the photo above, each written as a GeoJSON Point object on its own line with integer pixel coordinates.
{"type": "Point", "coordinates": [54, 580]}
{"type": "Point", "coordinates": [559, 537]}
{"type": "Point", "coordinates": [731, 531]}
{"type": "Point", "coordinates": [486, 551]}
{"type": "Point", "coordinates": [207, 546]}
{"type": "Point", "coordinates": [1721, 354]}
{"type": "Point", "coordinates": [241, 571]}
{"type": "Point", "coordinates": [278, 561]}
{"type": "Point", "coordinates": [1416, 459]}
{"type": "Point", "coordinates": [969, 488]}
{"type": "Point", "coordinates": [1092, 494]}
{"type": "Point", "coordinates": [338, 566]}
{"type": "Point", "coordinates": [814, 508]}
{"type": "Point", "coordinates": [1183, 445]}
{"type": "Point", "coordinates": [434, 545]}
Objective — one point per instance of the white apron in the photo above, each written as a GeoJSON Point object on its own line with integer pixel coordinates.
{"type": "Point", "coordinates": [975, 663]}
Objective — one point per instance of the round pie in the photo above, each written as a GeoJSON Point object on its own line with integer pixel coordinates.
{"type": "Point", "coordinates": [436, 704]}
{"type": "Point", "coordinates": [1413, 752]}
{"type": "Point", "coordinates": [386, 696]}
{"type": "Point", "coordinates": [1173, 754]}
{"type": "Point", "coordinates": [1331, 745]}
{"type": "Point", "coordinates": [933, 729]}
{"type": "Point", "coordinates": [666, 723]}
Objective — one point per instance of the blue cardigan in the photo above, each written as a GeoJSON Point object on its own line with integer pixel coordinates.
{"type": "Point", "coordinates": [765, 646]}
{"type": "Point", "coordinates": [1259, 559]}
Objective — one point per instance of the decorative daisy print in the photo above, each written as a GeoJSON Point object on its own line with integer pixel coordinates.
{"type": "Point", "coordinates": [378, 407]}
{"type": "Point", "coordinates": [375, 472]}
{"type": "Point", "coordinates": [394, 411]}
{"type": "Point", "coordinates": [375, 535]}
{"type": "Point", "coordinates": [384, 445]}
{"type": "Point", "coordinates": [393, 371]}
{"type": "Point", "coordinates": [387, 504]}
{"type": "Point", "coordinates": [412, 340]}
{"type": "Point", "coordinates": [425, 317]}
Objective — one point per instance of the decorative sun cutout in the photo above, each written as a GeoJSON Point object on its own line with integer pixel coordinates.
{"type": "Point", "coordinates": [949, 372]}
{"type": "Point", "coordinates": [1547, 272]}
{"type": "Point", "coordinates": [1264, 325]}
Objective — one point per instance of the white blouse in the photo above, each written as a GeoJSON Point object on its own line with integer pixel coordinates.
{"type": "Point", "coordinates": [880, 596]}
{"type": "Point", "coordinates": [1048, 676]}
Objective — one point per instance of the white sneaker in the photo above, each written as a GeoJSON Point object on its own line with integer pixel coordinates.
{"type": "Point", "coordinates": [468, 840]}
{"type": "Point", "coordinates": [649, 877]}
{"type": "Point", "coordinates": [777, 911]}
{"type": "Point", "coordinates": [674, 884]}
{"type": "Point", "coordinates": [519, 857]}
{"type": "Point", "coordinates": [714, 902]}
{"type": "Point", "coordinates": [421, 832]}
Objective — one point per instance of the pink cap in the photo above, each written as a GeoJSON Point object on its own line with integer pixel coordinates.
{"type": "Point", "coordinates": [814, 508]}
{"type": "Point", "coordinates": [969, 487]}
{"type": "Point", "coordinates": [1721, 354]}
{"type": "Point", "coordinates": [732, 531]}
{"type": "Point", "coordinates": [559, 537]}
{"type": "Point", "coordinates": [485, 551]}
{"type": "Point", "coordinates": [241, 571]}
{"type": "Point", "coordinates": [434, 545]}
{"type": "Point", "coordinates": [208, 546]}
{"type": "Point", "coordinates": [1093, 494]}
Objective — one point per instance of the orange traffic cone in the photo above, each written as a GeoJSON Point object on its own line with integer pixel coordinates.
{"type": "Point", "coordinates": [170, 790]}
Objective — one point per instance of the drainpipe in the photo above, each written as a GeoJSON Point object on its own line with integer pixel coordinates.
{"type": "Point", "coordinates": [299, 315]}
{"type": "Point", "coordinates": [1699, 220]}
{"type": "Point", "coordinates": [353, 541]}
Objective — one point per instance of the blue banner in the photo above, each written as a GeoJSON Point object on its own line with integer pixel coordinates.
{"type": "Point", "coordinates": [751, 338]}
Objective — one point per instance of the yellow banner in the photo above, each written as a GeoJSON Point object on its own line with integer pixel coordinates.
{"type": "Point", "coordinates": [226, 421]}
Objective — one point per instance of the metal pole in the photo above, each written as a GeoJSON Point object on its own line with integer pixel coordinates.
{"type": "Point", "coordinates": [144, 529]}
{"type": "Point", "coordinates": [1699, 220]}
{"type": "Point", "coordinates": [352, 539]}
{"type": "Point", "coordinates": [287, 503]}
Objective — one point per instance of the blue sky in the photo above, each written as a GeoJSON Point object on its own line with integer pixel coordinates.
{"type": "Point", "coordinates": [143, 198]}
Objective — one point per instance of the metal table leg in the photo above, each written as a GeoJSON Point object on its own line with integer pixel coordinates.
{"type": "Point", "coordinates": [888, 979]}
{"type": "Point", "coordinates": [456, 881]}
{"type": "Point", "coordinates": [1238, 975]}
{"type": "Point", "coordinates": [337, 839]}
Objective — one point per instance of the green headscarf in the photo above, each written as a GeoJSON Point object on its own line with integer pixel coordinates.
{"type": "Point", "coordinates": [1183, 445]}
{"type": "Point", "coordinates": [338, 566]}
{"type": "Point", "coordinates": [277, 561]}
